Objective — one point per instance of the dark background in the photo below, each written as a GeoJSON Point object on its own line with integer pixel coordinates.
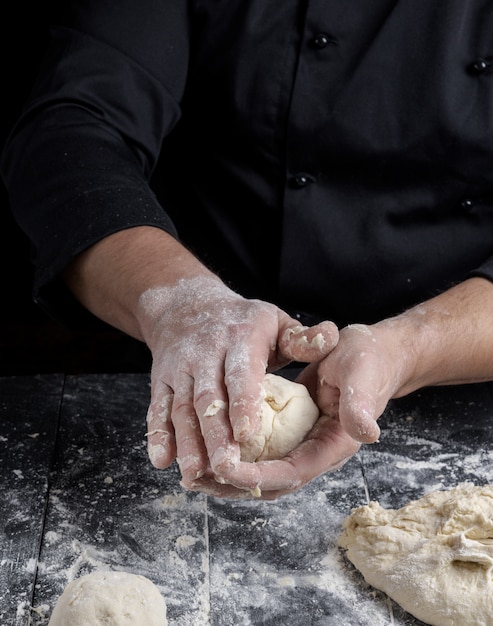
{"type": "Point", "coordinates": [30, 341]}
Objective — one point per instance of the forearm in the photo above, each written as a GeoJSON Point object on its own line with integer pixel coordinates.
{"type": "Point", "coordinates": [447, 339]}
{"type": "Point", "coordinates": [110, 277]}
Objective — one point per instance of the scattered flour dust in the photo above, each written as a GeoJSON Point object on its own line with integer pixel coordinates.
{"type": "Point", "coordinates": [186, 541]}
{"type": "Point", "coordinates": [272, 591]}
{"type": "Point", "coordinates": [167, 523]}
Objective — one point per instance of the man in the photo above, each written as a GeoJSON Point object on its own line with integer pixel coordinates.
{"type": "Point", "coordinates": [232, 181]}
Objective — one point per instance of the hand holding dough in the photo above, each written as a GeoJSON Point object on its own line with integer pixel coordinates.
{"type": "Point", "coordinates": [433, 556]}
{"type": "Point", "coordinates": [108, 598]}
{"type": "Point", "coordinates": [288, 415]}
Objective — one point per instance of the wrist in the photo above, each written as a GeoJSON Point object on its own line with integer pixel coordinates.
{"type": "Point", "coordinates": [447, 339]}
{"type": "Point", "coordinates": [413, 345]}
{"type": "Point", "coordinates": [110, 277]}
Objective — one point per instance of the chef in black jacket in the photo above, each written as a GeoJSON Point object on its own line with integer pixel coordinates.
{"type": "Point", "coordinates": [244, 183]}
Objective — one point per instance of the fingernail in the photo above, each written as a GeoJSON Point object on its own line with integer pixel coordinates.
{"type": "Point", "coordinates": [242, 428]}
{"type": "Point", "coordinates": [188, 464]}
{"type": "Point", "coordinates": [223, 458]}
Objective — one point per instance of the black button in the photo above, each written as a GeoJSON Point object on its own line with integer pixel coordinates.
{"type": "Point", "coordinates": [467, 204]}
{"type": "Point", "coordinates": [480, 66]}
{"type": "Point", "coordinates": [321, 40]}
{"type": "Point", "coordinates": [302, 180]}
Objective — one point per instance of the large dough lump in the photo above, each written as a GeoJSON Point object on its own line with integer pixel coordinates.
{"type": "Point", "coordinates": [288, 414]}
{"type": "Point", "coordinates": [434, 556]}
{"type": "Point", "coordinates": [110, 599]}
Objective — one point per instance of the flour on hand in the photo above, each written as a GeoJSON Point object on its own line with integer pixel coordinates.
{"type": "Point", "coordinates": [288, 414]}
{"type": "Point", "coordinates": [434, 556]}
{"type": "Point", "coordinates": [110, 598]}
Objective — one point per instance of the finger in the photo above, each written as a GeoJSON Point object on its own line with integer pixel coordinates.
{"type": "Point", "coordinates": [211, 487]}
{"type": "Point", "coordinates": [352, 389]}
{"type": "Point", "coordinates": [244, 378]}
{"type": "Point", "coordinates": [211, 406]}
{"type": "Point", "coordinates": [357, 396]}
{"type": "Point", "coordinates": [191, 454]}
{"type": "Point", "coordinates": [244, 372]}
{"type": "Point", "coordinates": [309, 378]}
{"type": "Point", "coordinates": [224, 452]}
{"type": "Point", "coordinates": [326, 448]}
{"type": "Point", "coordinates": [326, 397]}
{"type": "Point", "coordinates": [353, 406]}
{"type": "Point", "coordinates": [357, 413]}
{"type": "Point", "coordinates": [160, 433]}
{"type": "Point", "coordinates": [308, 344]}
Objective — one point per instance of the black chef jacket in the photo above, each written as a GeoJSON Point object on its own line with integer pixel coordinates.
{"type": "Point", "coordinates": [332, 156]}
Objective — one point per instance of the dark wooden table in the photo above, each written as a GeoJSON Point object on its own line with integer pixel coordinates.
{"type": "Point", "coordinates": [78, 494]}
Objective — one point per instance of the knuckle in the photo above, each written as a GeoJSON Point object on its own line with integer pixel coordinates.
{"type": "Point", "coordinates": [191, 468]}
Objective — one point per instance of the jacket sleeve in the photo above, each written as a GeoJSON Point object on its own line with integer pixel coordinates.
{"type": "Point", "coordinates": [77, 163]}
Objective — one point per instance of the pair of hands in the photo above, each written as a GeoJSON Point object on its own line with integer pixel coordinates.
{"type": "Point", "coordinates": [211, 349]}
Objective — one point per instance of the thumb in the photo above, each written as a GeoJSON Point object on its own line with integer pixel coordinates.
{"type": "Point", "coordinates": [358, 414]}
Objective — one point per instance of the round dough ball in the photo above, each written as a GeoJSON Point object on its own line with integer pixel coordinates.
{"type": "Point", "coordinates": [110, 599]}
{"type": "Point", "coordinates": [288, 415]}
{"type": "Point", "coordinates": [433, 556]}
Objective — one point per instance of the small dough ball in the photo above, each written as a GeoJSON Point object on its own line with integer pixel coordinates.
{"type": "Point", "coordinates": [288, 415]}
{"type": "Point", "coordinates": [110, 599]}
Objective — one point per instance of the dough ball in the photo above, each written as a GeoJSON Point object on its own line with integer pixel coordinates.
{"type": "Point", "coordinates": [434, 556]}
{"type": "Point", "coordinates": [288, 415]}
{"type": "Point", "coordinates": [110, 599]}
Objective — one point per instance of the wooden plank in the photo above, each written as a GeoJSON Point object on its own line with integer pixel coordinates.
{"type": "Point", "coordinates": [274, 562]}
{"type": "Point", "coordinates": [29, 409]}
{"type": "Point", "coordinates": [109, 509]}
{"type": "Point", "coordinates": [433, 439]}
{"type": "Point", "coordinates": [278, 562]}
{"type": "Point", "coordinates": [241, 562]}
